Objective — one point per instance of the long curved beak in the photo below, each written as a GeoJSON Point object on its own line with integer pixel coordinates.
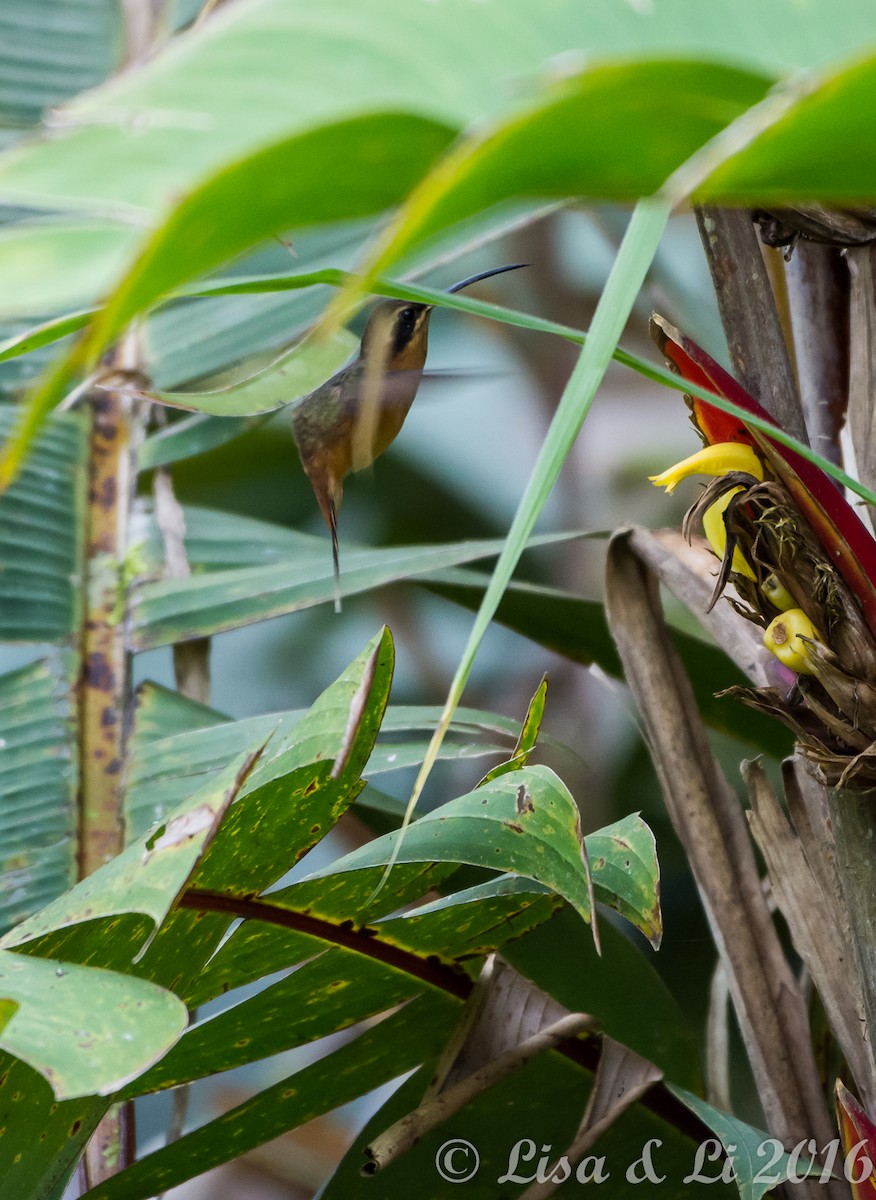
{"type": "Point", "coordinates": [464, 283]}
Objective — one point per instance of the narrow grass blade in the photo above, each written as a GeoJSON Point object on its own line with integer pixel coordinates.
{"type": "Point", "coordinates": [627, 275]}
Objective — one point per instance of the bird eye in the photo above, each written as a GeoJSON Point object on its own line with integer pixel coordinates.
{"type": "Point", "coordinates": [408, 315]}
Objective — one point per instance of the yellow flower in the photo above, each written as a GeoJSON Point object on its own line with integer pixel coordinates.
{"type": "Point", "coordinates": [716, 532]}
{"type": "Point", "coordinates": [711, 460]}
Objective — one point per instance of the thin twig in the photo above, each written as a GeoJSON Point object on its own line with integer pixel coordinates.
{"type": "Point", "coordinates": [411, 1128]}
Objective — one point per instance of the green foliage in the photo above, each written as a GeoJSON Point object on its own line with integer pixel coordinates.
{"type": "Point", "coordinates": [228, 842]}
{"type": "Point", "coordinates": [391, 138]}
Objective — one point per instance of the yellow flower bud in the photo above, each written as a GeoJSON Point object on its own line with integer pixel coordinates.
{"type": "Point", "coordinates": [777, 594]}
{"type": "Point", "coordinates": [711, 460]}
{"type": "Point", "coordinates": [715, 531]}
{"type": "Point", "coordinates": [784, 638]}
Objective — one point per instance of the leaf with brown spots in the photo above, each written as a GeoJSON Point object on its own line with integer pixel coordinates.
{"type": "Point", "coordinates": [485, 828]}
{"type": "Point", "coordinates": [626, 874]}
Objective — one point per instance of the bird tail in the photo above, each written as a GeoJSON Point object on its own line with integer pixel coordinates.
{"type": "Point", "coordinates": [336, 556]}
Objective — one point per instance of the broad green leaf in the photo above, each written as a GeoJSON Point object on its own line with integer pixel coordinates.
{"type": "Point", "coordinates": [160, 712]}
{"type": "Point", "coordinates": [626, 874]}
{"type": "Point", "coordinates": [38, 783]}
{"type": "Point", "coordinates": [343, 908]}
{"type": "Point", "coordinates": [148, 876]}
{"type": "Point", "coordinates": [42, 534]}
{"type": "Point", "coordinates": [50, 51]}
{"type": "Point", "coordinates": [85, 1030]}
{"type": "Point", "coordinates": [261, 163]}
{"type": "Point", "coordinates": [394, 57]}
{"type": "Point", "coordinates": [51, 266]}
{"type": "Point", "coordinates": [299, 790]}
{"type": "Point", "coordinates": [384, 1052]}
{"type": "Point", "coordinates": [352, 971]}
{"type": "Point", "coordinates": [339, 902]}
{"type": "Point", "coordinates": [42, 1137]}
{"type": "Point", "coordinates": [336, 989]}
{"type": "Point", "coordinates": [300, 178]}
{"type": "Point", "coordinates": [307, 179]}
{"type": "Point", "coordinates": [811, 147]}
{"type": "Point", "coordinates": [208, 326]}
{"type": "Point", "coordinates": [758, 1160]}
{"type": "Point", "coordinates": [619, 987]}
{"type": "Point", "coordinates": [525, 822]}
{"type": "Point", "coordinates": [473, 922]}
{"type": "Point", "coordinates": [106, 926]}
{"type": "Point", "coordinates": [537, 150]}
{"type": "Point", "coordinates": [217, 540]}
{"type": "Point", "coordinates": [294, 374]}
{"type": "Point", "coordinates": [218, 323]}
{"type": "Point", "coordinates": [533, 154]}
{"type": "Point", "coordinates": [176, 745]}
{"type": "Point", "coordinates": [175, 610]}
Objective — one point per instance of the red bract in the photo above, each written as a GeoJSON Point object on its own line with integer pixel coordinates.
{"type": "Point", "coordinates": [858, 1134]}
{"type": "Point", "coordinates": [845, 539]}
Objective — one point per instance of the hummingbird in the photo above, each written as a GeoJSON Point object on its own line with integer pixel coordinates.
{"type": "Point", "coordinates": [348, 422]}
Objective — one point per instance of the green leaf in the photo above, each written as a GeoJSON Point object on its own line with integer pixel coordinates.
{"type": "Point", "coordinates": [194, 435]}
{"type": "Point", "coordinates": [50, 51]}
{"type": "Point", "coordinates": [148, 876]}
{"type": "Point", "coordinates": [626, 874]}
{"type": "Point", "coordinates": [216, 323]}
{"type": "Point", "coordinates": [811, 147]}
{"type": "Point", "coordinates": [473, 922]}
{"type": "Point", "coordinates": [394, 57]}
{"type": "Point", "coordinates": [298, 792]}
{"type": "Point", "coordinates": [758, 1160]}
{"type": "Point", "coordinates": [610, 109]}
{"type": "Point", "coordinates": [391, 1048]}
{"type": "Point", "coordinates": [50, 266]}
{"type": "Point", "coordinates": [336, 989]}
{"type": "Point", "coordinates": [176, 745]}
{"type": "Point", "coordinates": [294, 374]}
{"type": "Point", "coordinates": [306, 178]}
{"type": "Point", "coordinates": [85, 1030]}
{"type": "Point", "coordinates": [44, 334]}
{"type": "Point", "coordinates": [38, 785]}
{"type": "Point", "coordinates": [160, 712]}
{"type": "Point", "coordinates": [216, 540]}
{"type": "Point", "coordinates": [341, 903]}
{"type": "Point", "coordinates": [526, 823]}
{"type": "Point", "coordinates": [175, 610]}
{"type": "Point", "coordinates": [42, 534]}
{"type": "Point", "coordinates": [525, 746]}
{"type": "Point", "coordinates": [41, 1145]}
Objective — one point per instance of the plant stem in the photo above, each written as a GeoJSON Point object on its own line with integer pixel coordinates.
{"type": "Point", "coordinates": [749, 315]}
{"type": "Point", "coordinates": [853, 817]}
{"type": "Point", "coordinates": [104, 687]}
